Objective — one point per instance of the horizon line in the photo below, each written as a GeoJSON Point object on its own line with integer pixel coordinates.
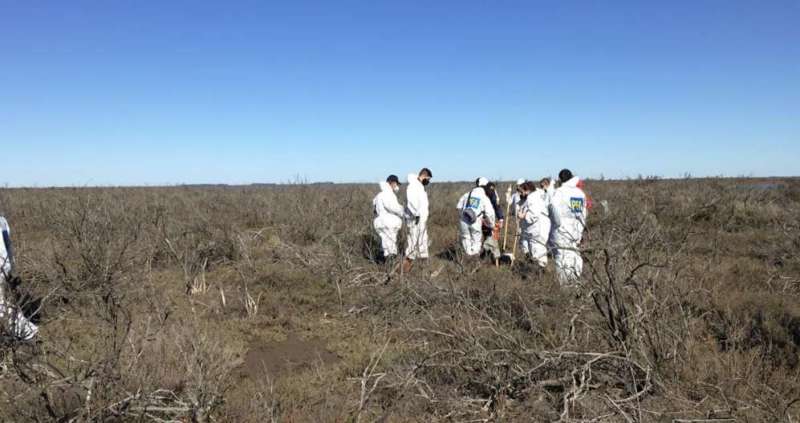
{"type": "Point", "coordinates": [344, 183]}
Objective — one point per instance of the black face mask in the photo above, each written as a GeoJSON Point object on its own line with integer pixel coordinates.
{"type": "Point", "coordinates": [425, 182]}
{"type": "Point", "coordinates": [523, 196]}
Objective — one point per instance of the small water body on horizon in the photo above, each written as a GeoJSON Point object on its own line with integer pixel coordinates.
{"type": "Point", "coordinates": [764, 186]}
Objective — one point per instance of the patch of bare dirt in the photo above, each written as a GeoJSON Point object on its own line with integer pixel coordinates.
{"type": "Point", "coordinates": [276, 359]}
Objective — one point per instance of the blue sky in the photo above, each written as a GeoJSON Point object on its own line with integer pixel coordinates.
{"type": "Point", "coordinates": [135, 92]}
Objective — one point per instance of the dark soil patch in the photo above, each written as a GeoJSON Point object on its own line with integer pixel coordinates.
{"type": "Point", "coordinates": [277, 359]}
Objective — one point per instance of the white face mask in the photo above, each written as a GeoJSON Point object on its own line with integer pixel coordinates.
{"type": "Point", "coordinates": [396, 188]}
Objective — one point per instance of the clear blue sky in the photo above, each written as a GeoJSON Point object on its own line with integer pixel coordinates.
{"type": "Point", "coordinates": [164, 92]}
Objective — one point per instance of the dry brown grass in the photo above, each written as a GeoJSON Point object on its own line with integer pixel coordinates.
{"type": "Point", "coordinates": [155, 302]}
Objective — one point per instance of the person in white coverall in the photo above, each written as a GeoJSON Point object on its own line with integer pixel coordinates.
{"type": "Point", "coordinates": [515, 196]}
{"type": "Point", "coordinates": [416, 215]}
{"type": "Point", "coordinates": [568, 212]}
{"type": "Point", "coordinates": [388, 216]}
{"type": "Point", "coordinates": [534, 223]}
{"type": "Point", "coordinates": [14, 321]}
{"type": "Point", "coordinates": [474, 208]}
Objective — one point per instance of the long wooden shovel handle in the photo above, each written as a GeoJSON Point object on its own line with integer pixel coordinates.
{"type": "Point", "coordinates": [516, 235]}
{"type": "Point", "coordinates": [505, 223]}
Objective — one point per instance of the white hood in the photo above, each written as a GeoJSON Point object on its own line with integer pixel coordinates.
{"type": "Point", "coordinates": [573, 182]}
{"type": "Point", "coordinates": [385, 187]}
{"type": "Point", "coordinates": [412, 179]}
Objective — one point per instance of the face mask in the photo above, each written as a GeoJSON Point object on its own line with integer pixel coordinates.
{"type": "Point", "coordinates": [396, 188]}
{"type": "Point", "coordinates": [523, 196]}
{"type": "Point", "coordinates": [425, 182]}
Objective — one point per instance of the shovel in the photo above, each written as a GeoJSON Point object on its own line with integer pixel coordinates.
{"type": "Point", "coordinates": [512, 255]}
{"type": "Point", "coordinates": [508, 210]}
{"type": "Point", "coordinates": [509, 256]}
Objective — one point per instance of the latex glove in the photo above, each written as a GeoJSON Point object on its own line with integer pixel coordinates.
{"type": "Point", "coordinates": [496, 232]}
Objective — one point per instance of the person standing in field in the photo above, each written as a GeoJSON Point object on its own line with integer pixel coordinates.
{"type": "Point", "coordinates": [569, 213]}
{"type": "Point", "coordinates": [388, 216]}
{"type": "Point", "coordinates": [416, 214]}
{"type": "Point", "coordinates": [515, 196]}
{"type": "Point", "coordinates": [532, 214]}
{"type": "Point", "coordinates": [474, 208]}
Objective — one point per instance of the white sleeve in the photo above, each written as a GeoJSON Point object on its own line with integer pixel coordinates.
{"type": "Point", "coordinates": [462, 201]}
{"type": "Point", "coordinates": [585, 213]}
{"type": "Point", "coordinates": [412, 202]}
{"type": "Point", "coordinates": [555, 217]}
{"type": "Point", "coordinates": [376, 204]}
{"type": "Point", "coordinates": [417, 203]}
{"type": "Point", "coordinates": [530, 212]}
{"type": "Point", "coordinates": [488, 209]}
{"type": "Point", "coordinates": [393, 206]}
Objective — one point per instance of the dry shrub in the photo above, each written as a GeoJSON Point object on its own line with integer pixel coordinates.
{"type": "Point", "coordinates": [687, 309]}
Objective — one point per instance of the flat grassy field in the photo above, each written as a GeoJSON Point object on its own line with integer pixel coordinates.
{"type": "Point", "coordinates": [265, 303]}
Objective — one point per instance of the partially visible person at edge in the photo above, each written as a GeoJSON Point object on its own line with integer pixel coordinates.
{"type": "Point", "coordinates": [416, 214]}
{"type": "Point", "coordinates": [13, 319]}
{"type": "Point", "coordinates": [491, 233]}
{"type": "Point", "coordinates": [6, 258]}
{"type": "Point", "coordinates": [388, 217]}
{"type": "Point", "coordinates": [568, 212]}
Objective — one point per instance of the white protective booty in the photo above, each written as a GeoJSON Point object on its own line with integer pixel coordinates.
{"type": "Point", "coordinates": [16, 323]}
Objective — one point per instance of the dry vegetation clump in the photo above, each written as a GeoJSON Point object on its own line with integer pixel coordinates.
{"type": "Point", "coordinates": [266, 304]}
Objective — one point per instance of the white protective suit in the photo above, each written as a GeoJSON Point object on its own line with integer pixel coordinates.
{"type": "Point", "coordinates": [534, 226]}
{"type": "Point", "coordinates": [568, 213]}
{"type": "Point", "coordinates": [515, 197]}
{"type": "Point", "coordinates": [472, 234]}
{"type": "Point", "coordinates": [416, 214]}
{"type": "Point", "coordinates": [11, 318]}
{"type": "Point", "coordinates": [388, 218]}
